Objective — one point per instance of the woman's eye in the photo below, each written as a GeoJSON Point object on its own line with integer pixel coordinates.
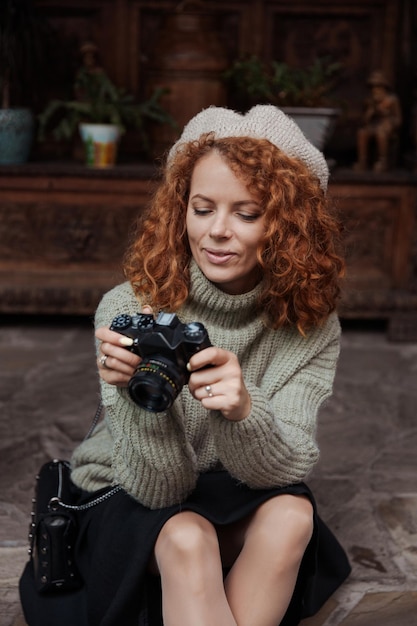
{"type": "Point", "coordinates": [201, 211]}
{"type": "Point", "coordinates": [249, 217]}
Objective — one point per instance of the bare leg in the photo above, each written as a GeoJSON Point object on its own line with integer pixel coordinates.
{"type": "Point", "coordinates": [261, 582]}
{"type": "Point", "coordinates": [265, 551]}
{"type": "Point", "coordinates": [187, 555]}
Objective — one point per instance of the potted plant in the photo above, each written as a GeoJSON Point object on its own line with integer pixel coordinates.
{"type": "Point", "coordinates": [249, 83]}
{"type": "Point", "coordinates": [21, 62]}
{"type": "Point", "coordinates": [303, 93]}
{"type": "Point", "coordinates": [101, 112]}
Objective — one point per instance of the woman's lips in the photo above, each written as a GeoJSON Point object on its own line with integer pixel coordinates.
{"type": "Point", "coordinates": [218, 257]}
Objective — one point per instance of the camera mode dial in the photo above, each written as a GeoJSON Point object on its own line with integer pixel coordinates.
{"type": "Point", "coordinates": [194, 331]}
{"type": "Point", "coordinates": [143, 321]}
{"type": "Point", "coordinates": [120, 322]}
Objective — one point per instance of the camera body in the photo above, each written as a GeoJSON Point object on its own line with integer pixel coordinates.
{"type": "Point", "coordinates": [165, 346]}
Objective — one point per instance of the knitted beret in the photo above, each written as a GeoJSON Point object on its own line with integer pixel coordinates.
{"type": "Point", "coordinates": [263, 121]}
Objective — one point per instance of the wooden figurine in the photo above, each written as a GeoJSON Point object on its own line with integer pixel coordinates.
{"type": "Point", "coordinates": [382, 119]}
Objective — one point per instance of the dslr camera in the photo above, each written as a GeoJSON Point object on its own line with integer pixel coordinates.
{"type": "Point", "coordinates": [165, 346]}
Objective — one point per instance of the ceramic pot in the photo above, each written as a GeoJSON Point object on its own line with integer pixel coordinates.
{"type": "Point", "coordinates": [16, 135]}
{"type": "Point", "coordinates": [100, 144]}
{"type": "Point", "coordinates": [317, 124]}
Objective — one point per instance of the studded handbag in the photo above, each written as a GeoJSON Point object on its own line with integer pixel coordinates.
{"type": "Point", "coordinates": [54, 525]}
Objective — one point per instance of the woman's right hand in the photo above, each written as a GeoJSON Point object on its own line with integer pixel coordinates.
{"type": "Point", "coordinates": [116, 365]}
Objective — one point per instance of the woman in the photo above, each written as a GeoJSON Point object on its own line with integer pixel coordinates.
{"type": "Point", "coordinates": [214, 518]}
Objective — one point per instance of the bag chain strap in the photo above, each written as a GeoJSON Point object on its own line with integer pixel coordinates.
{"type": "Point", "coordinates": [56, 501]}
{"type": "Point", "coordinates": [95, 420]}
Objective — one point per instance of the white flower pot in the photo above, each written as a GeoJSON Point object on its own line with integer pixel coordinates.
{"type": "Point", "coordinates": [100, 143]}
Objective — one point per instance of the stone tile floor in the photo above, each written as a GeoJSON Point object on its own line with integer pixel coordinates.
{"type": "Point", "coordinates": [365, 482]}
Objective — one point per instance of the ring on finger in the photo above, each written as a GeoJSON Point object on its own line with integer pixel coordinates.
{"type": "Point", "coordinates": [209, 391]}
{"type": "Point", "coordinates": [103, 360]}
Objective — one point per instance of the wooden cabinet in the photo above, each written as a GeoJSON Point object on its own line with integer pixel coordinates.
{"type": "Point", "coordinates": [379, 216]}
{"type": "Point", "coordinates": [64, 229]}
{"type": "Point", "coordinates": [63, 232]}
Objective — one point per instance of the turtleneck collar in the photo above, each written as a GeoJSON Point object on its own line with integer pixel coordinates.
{"type": "Point", "coordinates": [206, 300]}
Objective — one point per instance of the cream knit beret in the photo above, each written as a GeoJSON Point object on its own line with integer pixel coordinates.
{"type": "Point", "coordinates": [263, 121]}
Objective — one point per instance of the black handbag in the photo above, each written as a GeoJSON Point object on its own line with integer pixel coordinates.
{"type": "Point", "coordinates": [54, 524]}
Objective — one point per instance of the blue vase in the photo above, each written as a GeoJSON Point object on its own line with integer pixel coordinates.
{"type": "Point", "coordinates": [16, 135]}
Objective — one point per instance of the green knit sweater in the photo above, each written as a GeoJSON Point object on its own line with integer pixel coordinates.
{"type": "Point", "coordinates": [157, 457]}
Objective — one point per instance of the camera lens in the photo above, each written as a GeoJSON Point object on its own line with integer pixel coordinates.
{"type": "Point", "coordinates": [156, 383]}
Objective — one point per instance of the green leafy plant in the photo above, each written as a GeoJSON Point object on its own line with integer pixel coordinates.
{"type": "Point", "coordinates": [252, 81]}
{"type": "Point", "coordinates": [307, 87]}
{"type": "Point", "coordinates": [97, 100]}
{"type": "Point", "coordinates": [249, 80]}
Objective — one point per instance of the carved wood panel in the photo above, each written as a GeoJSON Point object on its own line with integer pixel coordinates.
{"type": "Point", "coordinates": [380, 230]}
{"type": "Point", "coordinates": [51, 232]}
{"type": "Point", "coordinates": [62, 239]}
{"type": "Point", "coordinates": [361, 36]}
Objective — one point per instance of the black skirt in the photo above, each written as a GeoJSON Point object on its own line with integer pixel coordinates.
{"type": "Point", "coordinates": [116, 540]}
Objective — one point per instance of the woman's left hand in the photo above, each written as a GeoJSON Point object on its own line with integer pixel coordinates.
{"type": "Point", "coordinates": [220, 387]}
{"type": "Point", "coordinates": [116, 365]}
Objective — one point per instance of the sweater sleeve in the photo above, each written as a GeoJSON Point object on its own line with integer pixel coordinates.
{"type": "Point", "coordinates": [275, 444]}
{"type": "Point", "coordinates": [151, 458]}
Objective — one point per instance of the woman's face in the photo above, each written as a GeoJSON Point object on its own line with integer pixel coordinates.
{"type": "Point", "coordinates": [224, 224]}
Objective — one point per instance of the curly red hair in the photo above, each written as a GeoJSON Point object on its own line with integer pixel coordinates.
{"type": "Point", "coordinates": [299, 254]}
